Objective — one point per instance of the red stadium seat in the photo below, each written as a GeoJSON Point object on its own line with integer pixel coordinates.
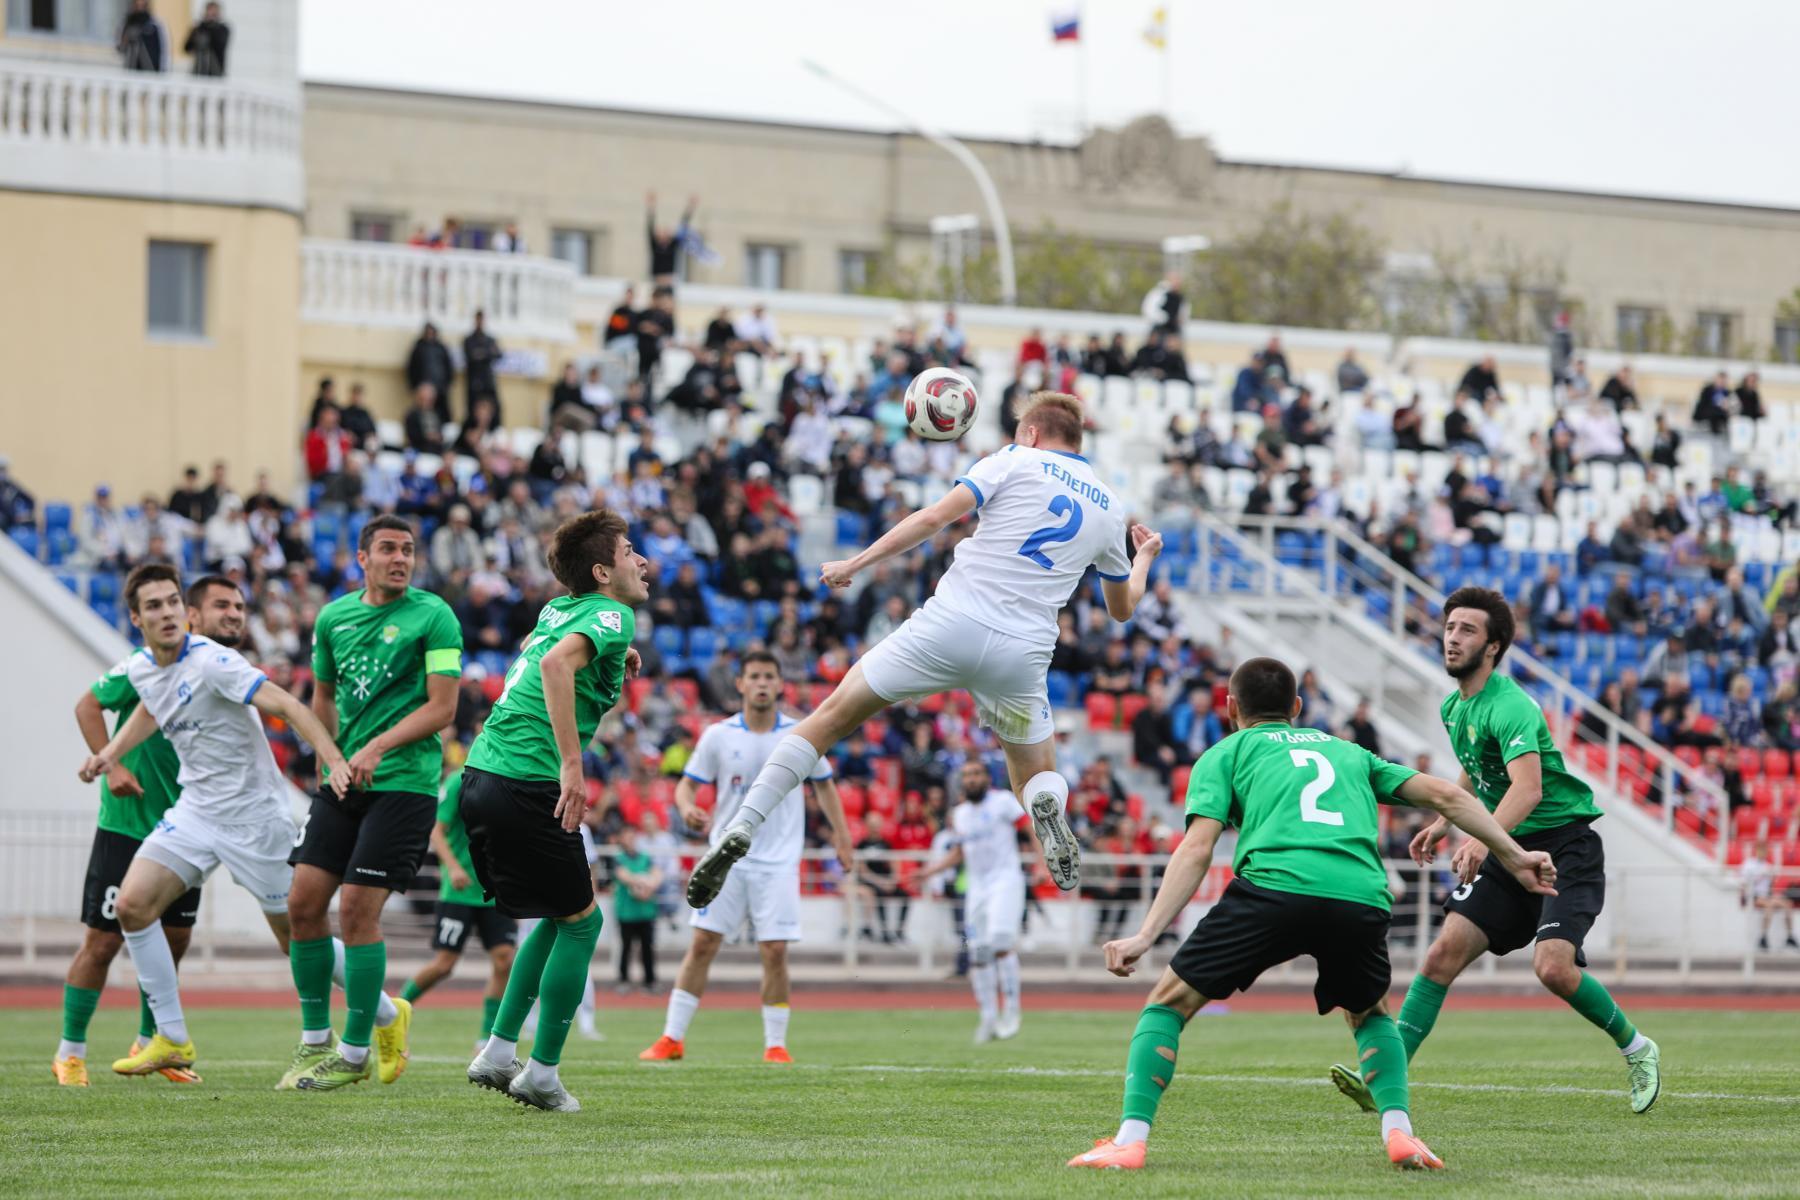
{"type": "Point", "coordinates": [1734, 853]}
{"type": "Point", "coordinates": [635, 691]}
{"type": "Point", "coordinates": [1745, 822]}
{"type": "Point", "coordinates": [933, 704]}
{"type": "Point", "coordinates": [889, 773]}
{"type": "Point", "coordinates": [1134, 807]}
{"type": "Point", "coordinates": [688, 692]}
{"type": "Point", "coordinates": [1102, 710]}
{"type": "Point", "coordinates": [1178, 783]}
{"type": "Point", "coordinates": [1762, 796]}
{"type": "Point", "coordinates": [1689, 755]}
{"type": "Point", "coordinates": [1130, 707]}
{"type": "Point", "coordinates": [1749, 762]}
{"type": "Point", "coordinates": [876, 731]}
{"type": "Point", "coordinates": [1687, 820]}
{"type": "Point", "coordinates": [854, 798]}
{"type": "Point", "coordinates": [883, 801]}
{"type": "Point", "coordinates": [1776, 764]}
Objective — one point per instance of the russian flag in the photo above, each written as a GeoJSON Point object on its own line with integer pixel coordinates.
{"type": "Point", "coordinates": [1066, 28]}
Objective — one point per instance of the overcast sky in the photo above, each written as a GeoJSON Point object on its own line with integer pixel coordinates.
{"type": "Point", "coordinates": [1660, 97]}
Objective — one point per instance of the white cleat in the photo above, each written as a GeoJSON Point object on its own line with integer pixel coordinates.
{"type": "Point", "coordinates": [984, 1032]}
{"type": "Point", "coordinates": [1062, 853]}
{"type": "Point", "coordinates": [485, 1074]}
{"type": "Point", "coordinates": [1008, 1024]}
{"type": "Point", "coordinates": [554, 1098]}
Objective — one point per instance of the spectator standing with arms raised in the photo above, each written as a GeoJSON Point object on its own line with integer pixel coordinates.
{"type": "Point", "coordinates": [666, 244]}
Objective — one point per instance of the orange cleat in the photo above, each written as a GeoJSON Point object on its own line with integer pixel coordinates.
{"type": "Point", "coordinates": [666, 1049]}
{"type": "Point", "coordinates": [1410, 1154]}
{"type": "Point", "coordinates": [70, 1071]}
{"type": "Point", "coordinates": [777, 1054]}
{"type": "Point", "coordinates": [1106, 1156]}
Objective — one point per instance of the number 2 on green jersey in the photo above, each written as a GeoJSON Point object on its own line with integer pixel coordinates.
{"type": "Point", "coordinates": [518, 669]}
{"type": "Point", "coordinates": [1309, 798]}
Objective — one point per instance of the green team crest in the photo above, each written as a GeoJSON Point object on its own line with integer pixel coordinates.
{"type": "Point", "coordinates": [389, 633]}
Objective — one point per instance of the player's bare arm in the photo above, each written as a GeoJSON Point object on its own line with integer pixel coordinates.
{"type": "Point", "coordinates": [1525, 790]}
{"type": "Point", "coordinates": [557, 670]}
{"type": "Point", "coordinates": [1424, 844]}
{"type": "Point", "coordinates": [1181, 879]}
{"type": "Point", "coordinates": [440, 846]}
{"type": "Point", "coordinates": [912, 530]}
{"type": "Point", "coordinates": [324, 704]}
{"type": "Point", "coordinates": [949, 860]}
{"type": "Point", "coordinates": [272, 700]}
{"type": "Point", "coordinates": [422, 722]}
{"type": "Point", "coordinates": [1532, 868]}
{"type": "Point", "coordinates": [1123, 596]}
{"type": "Point", "coordinates": [687, 803]}
{"type": "Point", "coordinates": [90, 718]}
{"type": "Point", "coordinates": [832, 805]}
{"type": "Point", "coordinates": [130, 735]}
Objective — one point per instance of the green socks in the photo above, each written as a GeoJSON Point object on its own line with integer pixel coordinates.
{"type": "Point", "coordinates": [522, 984]}
{"type": "Point", "coordinates": [311, 963]}
{"type": "Point", "coordinates": [1150, 1063]}
{"type": "Point", "coordinates": [146, 1018]}
{"type": "Point", "coordinates": [490, 1008]}
{"type": "Point", "coordinates": [564, 980]}
{"type": "Point", "coordinates": [1594, 1002]}
{"type": "Point", "coordinates": [365, 969]}
{"type": "Point", "coordinates": [410, 992]}
{"type": "Point", "coordinates": [79, 1004]}
{"type": "Point", "coordinates": [1420, 1012]}
{"type": "Point", "coordinates": [1381, 1057]}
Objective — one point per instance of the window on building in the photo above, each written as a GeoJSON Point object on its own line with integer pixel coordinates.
{"type": "Point", "coordinates": [854, 269]}
{"type": "Point", "coordinates": [176, 294]}
{"type": "Point", "coordinates": [1638, 328]}
{"type": "Point", "coordinates": [96, 20]}
{"type": "Point", "coordinates": [765, 266]}
{"type": "Point", "coordinates": [373, 227]}
{"type": "Point", "coordinates": [1787, 341]}
{"type": "Point", "coordinates": [575, 247]}
{"type": "Point", "coordinates": [1712, 334]}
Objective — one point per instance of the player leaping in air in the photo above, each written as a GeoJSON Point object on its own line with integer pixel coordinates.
{"type": "Point", "coordinates": [991, 626]}
{"type": "Point", "coordinates": [1511, 762]}
{"type": "Point", "coordinates": [1309, 881]}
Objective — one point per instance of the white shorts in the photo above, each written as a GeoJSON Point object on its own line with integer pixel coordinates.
{"type": "Point", "coordinates": [769, 897]}
{"type": "Point", "coordinates": [256, 853]}
{"type": "Point", "coordinates": [994, 909]}
{"type": "Point", "coordinates": [935, 651]}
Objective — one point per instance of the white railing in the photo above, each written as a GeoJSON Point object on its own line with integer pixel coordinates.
{"type": "Point", "coordinates": [368, 283]}
{"type": "Point", "coordinates": [69, 127]}
{"type": "Point", "coordinates": [1329, 556]}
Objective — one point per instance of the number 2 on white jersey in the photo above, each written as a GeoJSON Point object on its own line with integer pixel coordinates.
{"type": "Point", "coordinates": [1309, 798]}
{"type": "Point", "coordinates": [1033, 546]}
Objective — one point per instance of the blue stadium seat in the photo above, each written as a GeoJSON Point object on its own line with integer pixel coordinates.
{"type": "Point", "coordinates": [669, 640]}
{"type": "Point", "coordinates": [1062, 689]}
{"type": "Point", "coordinates": [738, 638]}
{"type": "Point", "coordinates": [25, 538]}
{"type": "Point", "coordinates": [1628, 649]}
{"type": "Point", "coordinates": [1700, 676]}
{"type": "Point", "coordinates": [703, 642]}
{"type": "Point", "coordinates": [766, 613]}
{"type": "Point", "coordinates": [1711, 703]}
{"type": "Point", "coordinates": [106, 610]}
{"type": "Point", "coordinates": [58, 516]}
{"type": "Point", "coordinates": [1596, 648]}
{"type": "Point", "coordinates": [315, 492]}
{"type": "Point", "coordinates": [70, 581]}
{"type": "Point", "coordinates": [494, 662]}
{"type": "Point", "coordinates": [1180, 570]}
{"type": "Point", "coordinates": [1563, 646]}
{"type": "Point", "coordinates": [849, 528]}
{"type": "Point", "coordinates": [59, 545]}
{"type": "Point", "coordinates": [104, 586]}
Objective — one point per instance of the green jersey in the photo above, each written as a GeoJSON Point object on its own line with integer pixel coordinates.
{"type": "Point", "coordinates": [1303, 803]}
{"type": "Point", "coordinates": [378, 658]}
{"type": "Point", "coordinates": [457, 834]}
{"type": "Point", "coordinates": [153, 761]}
{"type": "Point", "coordinates": [1495, 726]}
{"type": "Point", "coordinates": [627, 907]}
{"type": "Point", "coordinates": [517, 741]}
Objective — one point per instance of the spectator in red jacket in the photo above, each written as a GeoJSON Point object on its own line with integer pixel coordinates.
{"type": "Point", "coordinates": [328, 446]}
{"type": "Point", "coordinates": [1033, 350]}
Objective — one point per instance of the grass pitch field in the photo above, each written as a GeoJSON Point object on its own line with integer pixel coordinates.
{"type": "Point", "coordinates": [897, 1102]}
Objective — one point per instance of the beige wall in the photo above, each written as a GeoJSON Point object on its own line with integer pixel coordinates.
{"type": "Point", "coordinates": [377, 359]}
{"type": "Point", "coordinates": [90, 396]}
{"type": "Point", "coordinates": [819, 191]}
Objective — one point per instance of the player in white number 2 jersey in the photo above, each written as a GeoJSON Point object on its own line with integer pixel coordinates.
{"type": "Point", "coordinates": [990, 628]}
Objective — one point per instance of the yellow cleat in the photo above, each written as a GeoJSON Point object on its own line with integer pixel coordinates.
{"type": "Point", "coordinates": [70, 1071]}
{"type": "Point", "coordinates": [172, 1074]}
{"type": "Point", "coordinates": [390, 1043]}
{"type": "Point", "coordinates": [158, 1054]}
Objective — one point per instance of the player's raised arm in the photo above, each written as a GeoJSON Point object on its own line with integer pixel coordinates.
{"type": "Point", "coordinates": [139, 726]}
{"type": "Point", "coordinates": [557, 673]}
{"type": "Point", "coordinates": [1533, 869]}
{"type": "Point", "coordinates": [272, 700]}
{"type": "Point", "coordinates": [913, 529]}
{"type": "Point", "coordinates": [90, 718]}
{"type": "Point", "coordinates": [1181, 879]}
{"type": "Point", "coordinates": [1123, 595]}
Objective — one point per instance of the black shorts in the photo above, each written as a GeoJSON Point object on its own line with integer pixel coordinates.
{"type": "Point", "coordinates": [1512, 917]}
{"type": "Point", "coordinates": [376, 839]}
{"type": "Point", "coordinates": [107, 864]}
{"type": "Point", "coordinates": [1252, 929]}
{"type": "Point", "coordinates": [456, 921]}
{"type": "Point", "coordinates": [528, 864]}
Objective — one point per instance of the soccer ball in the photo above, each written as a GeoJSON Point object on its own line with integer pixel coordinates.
{"type": "Point", "coordinates": [940, 404]}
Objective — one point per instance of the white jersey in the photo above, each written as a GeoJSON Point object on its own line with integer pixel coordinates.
{"type": "Point", "coordinates": [1045, 518]}
{"type": "Point", "coordinates": [988, 832]}
{"type": "Point", "coordinates": [729, 755]}
{"type": "Point", "coordinates": [201, 701]}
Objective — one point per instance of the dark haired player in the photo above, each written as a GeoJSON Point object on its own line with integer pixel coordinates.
{"type": "Point", "coordinates": [385, 664]}
{"type": "Point", "coordinates": [523, 794]}
{"type": "Point", "coordinates": [1309, 882]}
{"type": "Point", "coordinates": [1511, 762]}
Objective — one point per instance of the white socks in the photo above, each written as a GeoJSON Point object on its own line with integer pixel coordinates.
{"type": "Point", "coordinates": [315, 1037]}
{"type": "Point", "coordinates": [155, 965]}
{"type": "Point", "coordinates": [1007, 967]}
{"type": "Point", "coordinates": [539, 1075]}
{"type": "Point", "coordinates": [499, 1051]}
{"type": "Point", "coordinates": [1046, 781]}
{"type": "Point", "coordinates": [1392, 1119]}
{"type": "Point", "coordinates": [682, 1007]}
{"type": "Point", "coordinates": [356, 1056]}
{"type": "Point", "coordinates": [1132, 1132]}
{"type": "Point", "coordinates": [584, 1012]}
{"type": "Point", "coordinates": [67, 1049]}
{"type": "Point", "coordinates": [1635, 1044]}
{"type": "Point", "coordinates": [987, 999]}
{"type": "Point", "coordinates": [792, 760]}
{"type": "Point", "coordinates": [775, 1023]}
{"type": "Point", "coordinates": [385, 1012]}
